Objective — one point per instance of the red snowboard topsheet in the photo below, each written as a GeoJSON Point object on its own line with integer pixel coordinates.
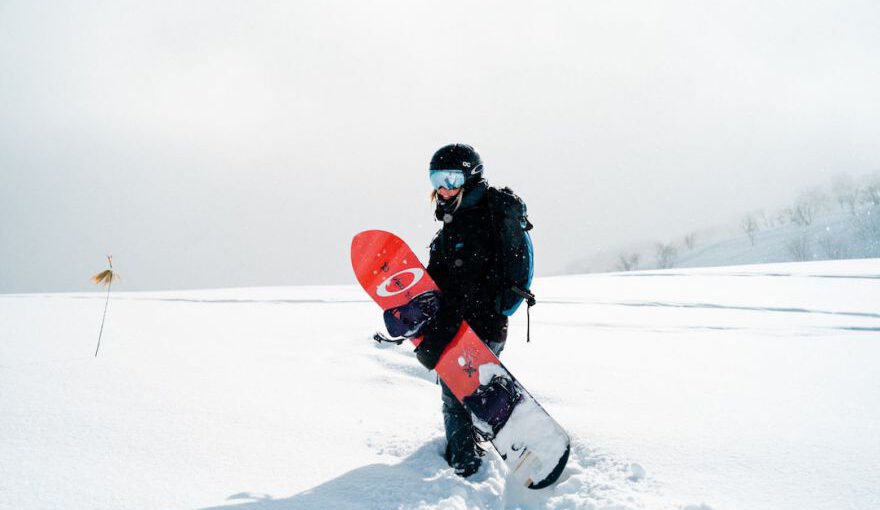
{"type": "Point", "coordinates": [393, 275]}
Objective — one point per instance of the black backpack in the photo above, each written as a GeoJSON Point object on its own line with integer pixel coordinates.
{"type": "Point", "coordinates": [509, 216]}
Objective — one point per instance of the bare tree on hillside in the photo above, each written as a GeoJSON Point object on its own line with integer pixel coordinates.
{"type": "Point", "coordinates": [832, 248]}
{"type": "Point", "coordinates": [690, 241]}
{"type": "Point", "coordinates": [750, 226]}
{"type": "Point", "coordinates": [764, 220]}
{"type": "Point", "coordinates": [806, 206]}
{"type": "Point", "coordinates": [667, 255]}
{"type": "Point", "coordinates": [867, 225]}
{"type": "Point", "coordinates": [846, 192]}
{"type": "Point", "coordinates": [782, 216]}
{"type": "Point", "coordinates": [871, 189]}
{"type": "Point", "coordinates": [799, 247]}
{"type": "Point", "coordinates": [628, 262]}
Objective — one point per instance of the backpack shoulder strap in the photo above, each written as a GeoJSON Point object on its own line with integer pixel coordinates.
{"type": "Point", "coordinates": [504, 202]}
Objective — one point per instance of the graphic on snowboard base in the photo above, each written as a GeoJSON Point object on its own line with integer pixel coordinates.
{"type": "Point", "coordinates": [534, 447]}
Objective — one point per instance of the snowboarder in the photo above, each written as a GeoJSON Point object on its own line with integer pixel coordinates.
{"type": "Point", "coordinates": [467, 261]}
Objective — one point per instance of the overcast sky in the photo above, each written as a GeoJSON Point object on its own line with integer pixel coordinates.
{"type": "Point", "coordinates": [219, 143]}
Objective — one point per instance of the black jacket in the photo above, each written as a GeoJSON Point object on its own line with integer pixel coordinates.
{"type": "Point", "coordinates": [464, 264]}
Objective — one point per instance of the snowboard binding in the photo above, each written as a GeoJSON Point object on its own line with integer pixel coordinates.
{"type": "Point", "coordinates": [408, 321]}
{"type": "Point", "coordinates": [492, 404]}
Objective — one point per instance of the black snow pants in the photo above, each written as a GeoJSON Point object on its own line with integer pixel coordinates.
{"type": "Point", "coordinates": [461, 448]}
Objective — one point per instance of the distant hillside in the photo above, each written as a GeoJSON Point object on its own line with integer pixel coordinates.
{"type": "Point", "coordinates": [837, 235]}
{"type": "Point", "coordinates": [841, 222]}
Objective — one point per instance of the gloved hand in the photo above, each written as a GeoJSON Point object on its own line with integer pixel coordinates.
{"type": "Point", "coordinates": [438, 332]}
{"type": "Point", "coordinates": [438, 335]}
{"type": "Point", "coordinates": [428, 353]}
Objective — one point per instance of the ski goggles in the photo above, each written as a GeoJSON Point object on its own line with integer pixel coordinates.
{"type": "Point", "coordinates": [449, 179]}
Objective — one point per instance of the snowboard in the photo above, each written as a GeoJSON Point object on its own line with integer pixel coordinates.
{"type": "Point", "coordinates": [534, 447]}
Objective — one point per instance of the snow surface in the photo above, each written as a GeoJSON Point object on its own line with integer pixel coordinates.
{"type": "Point", "coordinates": [750, 387]}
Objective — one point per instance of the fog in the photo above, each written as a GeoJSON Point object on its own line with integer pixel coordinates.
{"type": "Point", "coordinates": [219, 143]}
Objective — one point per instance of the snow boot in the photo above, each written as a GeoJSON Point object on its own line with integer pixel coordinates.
{"type": "Point", "coordinates": [465, 461]}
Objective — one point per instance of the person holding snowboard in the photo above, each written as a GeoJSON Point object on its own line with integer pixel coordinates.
{"type": "Point", "coordinates": [470, 260]}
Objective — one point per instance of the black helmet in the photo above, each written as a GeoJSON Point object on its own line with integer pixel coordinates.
{"type": "Point", "coordinates": [458, 156]}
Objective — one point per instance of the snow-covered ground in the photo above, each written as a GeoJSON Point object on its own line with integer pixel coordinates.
{"type": "Point", "coordinates": [750, 387]}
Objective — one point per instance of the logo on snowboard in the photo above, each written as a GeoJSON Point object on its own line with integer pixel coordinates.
{"type": "Point", "coordinates": [466, 362]}
{"type": "Point", "coordinates": [400, 282]}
